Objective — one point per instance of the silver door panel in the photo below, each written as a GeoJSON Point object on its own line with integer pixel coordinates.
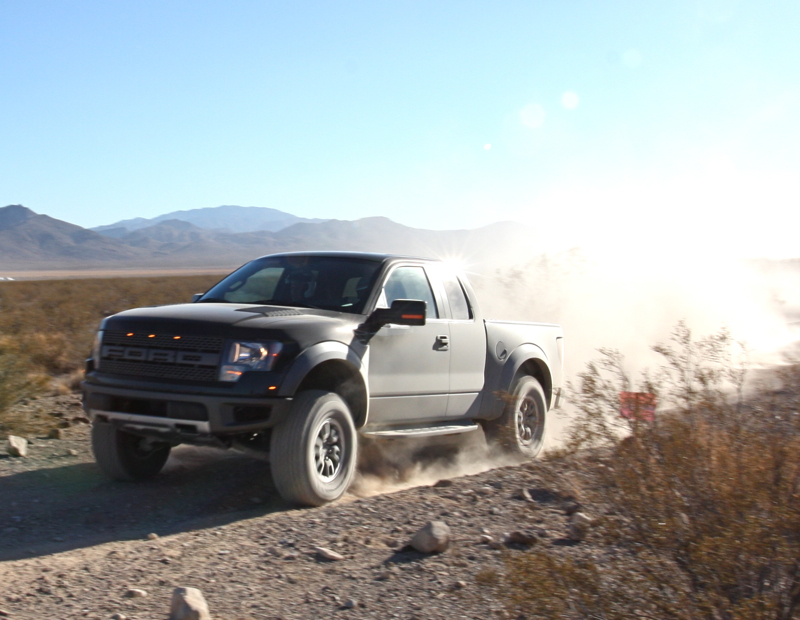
{"type": "Point", "coordinates": [409, 360]}
{"type": "Point", "coordinates": [467, 356]}
{"type": "Point", "coordinates": [407, 409]}
{"type": "Point", "coordinates": [464, 405]}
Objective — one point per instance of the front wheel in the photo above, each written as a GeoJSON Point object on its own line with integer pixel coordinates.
{"type": "Point", "coordinates": [520, 429]}
{"type": "Point", "coordinates": [123, 456]}
{"type": "Point", "coordinates": [313, 451]}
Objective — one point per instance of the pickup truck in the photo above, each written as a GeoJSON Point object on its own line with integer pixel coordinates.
{"type": "Point", "coordinates": [296, 356]}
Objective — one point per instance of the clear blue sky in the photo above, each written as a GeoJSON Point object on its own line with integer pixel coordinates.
{"type": "Point", "coordinates": [600, 115]}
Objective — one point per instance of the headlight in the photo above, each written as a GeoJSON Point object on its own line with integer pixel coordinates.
{"type": "Point", "coordinates": [243, 356]}
{"type": "Point", "coordinates": [97, 347]}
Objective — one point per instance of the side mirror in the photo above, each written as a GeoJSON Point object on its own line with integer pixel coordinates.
{"type": "Point", "coordinates": [402, 312]}
{"type": "Point", "coordinates": [196, 296]}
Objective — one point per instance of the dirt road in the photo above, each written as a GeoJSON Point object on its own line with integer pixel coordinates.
{"type": "Point", "coordinates": [72, 543]}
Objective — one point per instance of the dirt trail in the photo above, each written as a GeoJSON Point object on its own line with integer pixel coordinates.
{"type": "Point", "coordinates": [72, 542]}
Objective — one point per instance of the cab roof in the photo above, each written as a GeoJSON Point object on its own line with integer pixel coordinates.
{"type": "Point", "coordinates": [362, 255]}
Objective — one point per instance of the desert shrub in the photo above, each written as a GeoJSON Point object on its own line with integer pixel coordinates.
{"type": "Point", "coordinates": [701, 507]}
{"type": "Point", "coordinates": [16, 381]}
{"type": "Point", "coordinates": [47, 328]}
{"type": "Point", "coordinates": [52, 322]}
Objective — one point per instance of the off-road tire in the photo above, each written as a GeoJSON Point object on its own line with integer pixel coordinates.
{"type": "Point", "coordinates": [519, 431]}
{"type": "Point", "coordinates": [308, 468]}
{"type": "Point", "coordinates": [123, 456]}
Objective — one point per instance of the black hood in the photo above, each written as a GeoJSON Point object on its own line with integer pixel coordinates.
{"type": "Point", "coordinates": [305, 326]}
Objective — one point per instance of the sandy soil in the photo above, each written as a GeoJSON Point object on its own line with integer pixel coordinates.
{"type": "Point", "coordinates": [72, 542]}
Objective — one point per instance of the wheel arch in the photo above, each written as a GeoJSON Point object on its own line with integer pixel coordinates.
{"type": "Point", "coordinates": [539, 370]}
{"type": "Point", "coordinates": [526, 359]}
{"type": "Point", "coordinates": [342, 378]}
{"type": "Point", "coordinates": [333, 367]}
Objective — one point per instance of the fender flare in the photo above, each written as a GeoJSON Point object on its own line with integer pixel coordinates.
{"type": "Point", "coordinates": [521, 355]}
{"type": "Point", "coordinates": [318, 354]}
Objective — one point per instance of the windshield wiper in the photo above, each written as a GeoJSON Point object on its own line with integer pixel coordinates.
{"type": "Point", "coordinates": [208, 300]}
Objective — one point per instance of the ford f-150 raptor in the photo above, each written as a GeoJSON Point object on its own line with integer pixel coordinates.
{"type": "Point", "coordinates": [295, 355]}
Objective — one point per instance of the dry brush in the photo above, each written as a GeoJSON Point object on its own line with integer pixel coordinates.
{"type": "Point", "coordinates": [698, 511]}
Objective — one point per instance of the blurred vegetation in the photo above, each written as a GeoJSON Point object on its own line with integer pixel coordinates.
{"type": "Point", "coordinates": [697, 513]}
{"type": "Point", "coordinates": [16, 378]}
{"type": "Point", "coordinates": [47, 326]}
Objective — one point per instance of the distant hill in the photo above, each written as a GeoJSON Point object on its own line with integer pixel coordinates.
{"type": "Point", "coordinates": [190, 244]}
{"type": "Point", "coordinates": [12, 215]}
{"type": "Point", "coordinates": [32, 241]}
{"type": "Point", "coordinates": [228, 217]}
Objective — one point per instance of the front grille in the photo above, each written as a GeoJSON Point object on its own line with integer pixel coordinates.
{"type": "Point", "coordinates": [161, 371]}
{"type": "Point", "coordinates": [162, 341]}
{"type": "Point", "coordinates": [162, 356]}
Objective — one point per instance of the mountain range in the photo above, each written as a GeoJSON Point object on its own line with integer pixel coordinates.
{"type": "Point", "coordinates": [230, 218]}
{"type": "Point", "coordinates": [31, 241]}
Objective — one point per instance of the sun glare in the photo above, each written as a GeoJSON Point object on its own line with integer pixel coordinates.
{"type": "Point", "coordinates": [532, 115]}
{"type": "Point", "coordinates": [570, 100]}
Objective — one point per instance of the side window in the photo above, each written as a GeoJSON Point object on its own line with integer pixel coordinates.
{"type": "Point", "coordinates": [408, 283]}
{"type": "Point", "coordinates": [459, 307]}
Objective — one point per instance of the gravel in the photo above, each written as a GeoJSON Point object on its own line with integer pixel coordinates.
{"type": "Point", "coordinates": [74, 544]}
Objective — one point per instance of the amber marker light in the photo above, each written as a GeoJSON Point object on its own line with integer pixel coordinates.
{"type": "Point", "coordinates": [152, 336]}
{"type": "Point", "coordinates": [412, 316]}
{"type": "Point", "coordinates": [272, 387]}
{"type": "Point", "coordinates": [176, 337]}
{"type": "Point", "coordinates": [131, 334]}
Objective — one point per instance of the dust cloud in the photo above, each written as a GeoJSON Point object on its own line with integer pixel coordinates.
{"type": "Point", "coordinates": [634, 304]}
{"type": "Point", "coordinates": [631, 303]}
{"type": "Point", "coordinates": [628, 303]}
{"type": "Point", "coordinates": [390, 465]}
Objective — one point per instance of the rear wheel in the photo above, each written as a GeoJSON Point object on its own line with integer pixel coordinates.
{"type": "Point", "coordinates": [313, 451]}
{"type": "Point", "coordinates": [520, 430]}
{"type": "Point", "coordinates": [123, 456]}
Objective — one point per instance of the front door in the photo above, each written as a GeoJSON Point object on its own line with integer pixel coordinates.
{"type": "Point", "coordinates": [409, 365]}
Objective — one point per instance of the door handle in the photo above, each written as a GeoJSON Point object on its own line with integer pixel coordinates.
{"type": "Point", "coordinates": [442, 343]}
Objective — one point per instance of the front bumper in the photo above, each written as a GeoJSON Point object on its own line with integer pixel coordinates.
{"type": "Point", "coordinates": [182, 416]}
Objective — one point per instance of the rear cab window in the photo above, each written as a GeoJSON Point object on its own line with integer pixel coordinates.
{"type": "Point", "coordinates": [460, 310]}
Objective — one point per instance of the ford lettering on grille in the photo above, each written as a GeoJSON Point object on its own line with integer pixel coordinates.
{"type": "Point", "coordinates": [161, 356]}
{"type": "Point", "coordinates": [193, 358]}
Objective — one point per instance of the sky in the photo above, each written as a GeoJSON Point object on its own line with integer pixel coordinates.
{"type": "Point", "coordinates": [600, 124]}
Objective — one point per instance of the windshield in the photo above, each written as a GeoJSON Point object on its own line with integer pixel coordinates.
{"type": "Point", "coordinates": [325, 282]}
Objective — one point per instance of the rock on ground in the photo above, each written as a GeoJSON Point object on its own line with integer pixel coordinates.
{"type": "Point", "coordinates": [327, 554]}
{"type": "Point", "coordinates": [525, 538]}
{"type": "Point", "coordinates": [17, 446]}
{"type": "Point", "coordinates": [432, 538]}
{"type": "Point", "coordinates": [579, 525]}
{"type": "Point", "coordinates": [135, 593]}
{"type": "Point", "coordinates": [188, 604]}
